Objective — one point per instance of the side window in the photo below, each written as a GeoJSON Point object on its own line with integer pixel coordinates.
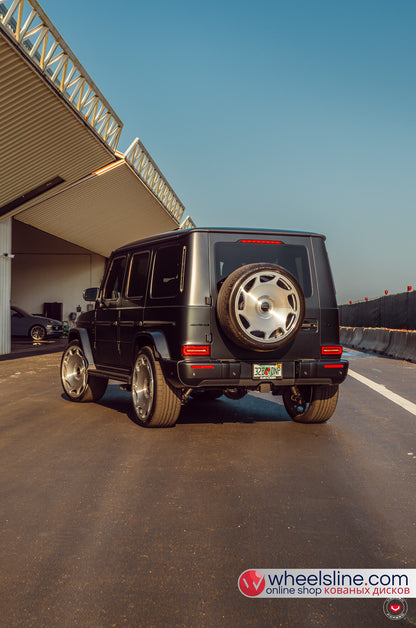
{"type": "Point", "coordinates": [136, 286]}
{"type": "Point", "coordinates": [168, 270]}
{"type": "Point", "coordinates": [113, 285]}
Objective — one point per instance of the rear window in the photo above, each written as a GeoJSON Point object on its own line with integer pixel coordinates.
{"type": "Point", "coordinates": [231, 255]}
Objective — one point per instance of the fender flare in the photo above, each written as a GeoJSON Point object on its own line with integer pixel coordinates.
{"type": "Point", "coordinates": [158, 340]}
{"type": "Point", "coordinates": [81, 335]}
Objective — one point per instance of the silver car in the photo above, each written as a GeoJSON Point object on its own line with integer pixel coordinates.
{"type": "Point", "coordinates": [35, 327]}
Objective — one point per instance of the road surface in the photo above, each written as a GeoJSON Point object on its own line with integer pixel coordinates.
{"type": "Point", "coordinates": [106, 524]}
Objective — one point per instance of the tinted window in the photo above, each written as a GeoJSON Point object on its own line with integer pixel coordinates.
{"type": "Point", "coordinates": [167, 272]}
{"type": "Point", "coordinates": [115, 276]}
{"type": "Point", "coordinates": [138, 276]}
{"type": "Point", "coordinates": [231, 255]}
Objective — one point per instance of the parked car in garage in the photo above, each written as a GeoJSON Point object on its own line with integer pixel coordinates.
{"type": "Point", "coordinates": [33, 326]}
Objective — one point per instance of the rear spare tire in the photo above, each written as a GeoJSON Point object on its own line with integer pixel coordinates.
{"type": "Point", "coordinates": [261, 306]}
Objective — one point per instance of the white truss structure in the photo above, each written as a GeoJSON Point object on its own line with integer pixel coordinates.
{"type": "Point", "coordinates": [26, 23]}
{"type": "Point", "coordinates": [140, 160]}
{"type": "Point", "coordinates": [31, 28]}
{"type": "Point", "coordinates": [187, 223]}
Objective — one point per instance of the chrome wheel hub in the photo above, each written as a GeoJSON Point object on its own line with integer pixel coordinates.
{"type": "Point", "coordinates": [143, 387]}
{"type": "Point", "coordinates": [267, 306]}
{"type": "Point", "coordinates": [74, 371]}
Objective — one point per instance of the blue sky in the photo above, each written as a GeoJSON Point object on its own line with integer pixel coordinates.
{"type": "Point", "coordinates": [284, 114]}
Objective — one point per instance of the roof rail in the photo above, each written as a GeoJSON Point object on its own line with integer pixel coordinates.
{"type": "Point", "coordinates": [27, 23]}
{"type": "Point", "coordinates": [138, 157]}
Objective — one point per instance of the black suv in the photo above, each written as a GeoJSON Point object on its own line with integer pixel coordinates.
{"type": "Point", "coordinates": [211, 312]}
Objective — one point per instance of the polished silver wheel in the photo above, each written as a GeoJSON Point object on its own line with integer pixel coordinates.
{"type": "Point", "coordinates": [78, 383]}
{"type": "Point", "coordinates": [261, 306]}
{"type": "Point", "coordinates": [143, 387]}
{"type": "Point", "coordinates": [156, 403]}
{"type": "Point", "coordinates": [74, 374]}
{"type": "Point", "coordinates": [267, 306]}
{"type": "Point", "coordinates": [37, 332]}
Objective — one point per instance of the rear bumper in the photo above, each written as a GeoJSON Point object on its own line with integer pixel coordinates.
{"type": "Point", "coordinates": [233, 374]}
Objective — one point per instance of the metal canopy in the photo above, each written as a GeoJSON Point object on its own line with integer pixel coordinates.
{"type": "Point", "coordinates": [103, 211]}
{"type": "Point", "coordinates": [44, 141]}
{"type": "Point", "coordinates": [60, 171]}
{"type": "Point", "coordinates": [25, 22]}
{"type": "Point", "coordinates": [56, 129]}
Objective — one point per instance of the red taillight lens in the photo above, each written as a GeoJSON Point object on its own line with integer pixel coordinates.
{"type": "Point", "coordinates": [326, 351]}
{"type": "Point", "coordinates": [261, 242]}
{"type": "Point", "coordinates": [192, 350]}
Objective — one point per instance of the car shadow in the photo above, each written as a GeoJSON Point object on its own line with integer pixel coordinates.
{"type": "Point", "coordinates": [250, 409]}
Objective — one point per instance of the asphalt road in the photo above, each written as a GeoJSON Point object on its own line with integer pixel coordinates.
{"type": "Point", "coordinates": [106, 524]}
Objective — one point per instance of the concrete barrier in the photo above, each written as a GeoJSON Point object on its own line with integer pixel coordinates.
{"type": "Point", "coordinates": [395, 343]}
{"type": "Point", "coordinates": [382, 340]}
{"type": "Point", "coordinates": [346, 335]}
{"type": "Point", "coordinates": [410, 351]}
{"type": "Point", "coordinates": [376, 339]}
{"type": "Point", "coordinates": [368, 339]}
{"type": "Point", "coordinates": [357, 336]}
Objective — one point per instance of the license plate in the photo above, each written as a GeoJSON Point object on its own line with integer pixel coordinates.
{"type": "Point", "coordinates": [267, 371]}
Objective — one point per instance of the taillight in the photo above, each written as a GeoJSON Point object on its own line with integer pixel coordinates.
{"type": "Point", "coordinates": [327, 351]}
{"type": "Point", "coordinates": [192, 350]}
{"type": "Point", "coordinates": [261, 242]}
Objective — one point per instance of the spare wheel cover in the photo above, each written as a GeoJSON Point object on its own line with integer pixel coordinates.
{"type": "Point", "coordinates": [261, 306]}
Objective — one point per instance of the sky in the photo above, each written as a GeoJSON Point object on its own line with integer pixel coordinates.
{"type": "Point", "coordinates": [294, 114]}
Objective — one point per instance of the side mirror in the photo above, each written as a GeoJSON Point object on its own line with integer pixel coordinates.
{"type": "Point", "coordinates": [90, 294]}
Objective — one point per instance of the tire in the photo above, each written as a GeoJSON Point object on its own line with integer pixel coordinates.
{"type": "Point", "coordinates": [261, 307]}
{"type": "Point", "coordinates": [314, 404]}
{"type": "Point", "coordinates": [155, 402]}
{"type": "Point", "coordinates": [37, 332]}
{"type": "Point", "coordinates": [77, 382]}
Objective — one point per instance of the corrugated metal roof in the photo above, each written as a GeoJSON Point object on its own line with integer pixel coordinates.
{"type": "Point", "coordinates": [25, 22]}
{"type": "Point", "coordinates": [47, 154]}
{"type": "Point", "coordinates": [102, 212]}
{"type": "Point", "coordinates": [41, 136]}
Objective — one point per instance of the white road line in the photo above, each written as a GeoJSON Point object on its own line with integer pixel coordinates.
{"type": "Point", "coordinates": [401, 401]}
